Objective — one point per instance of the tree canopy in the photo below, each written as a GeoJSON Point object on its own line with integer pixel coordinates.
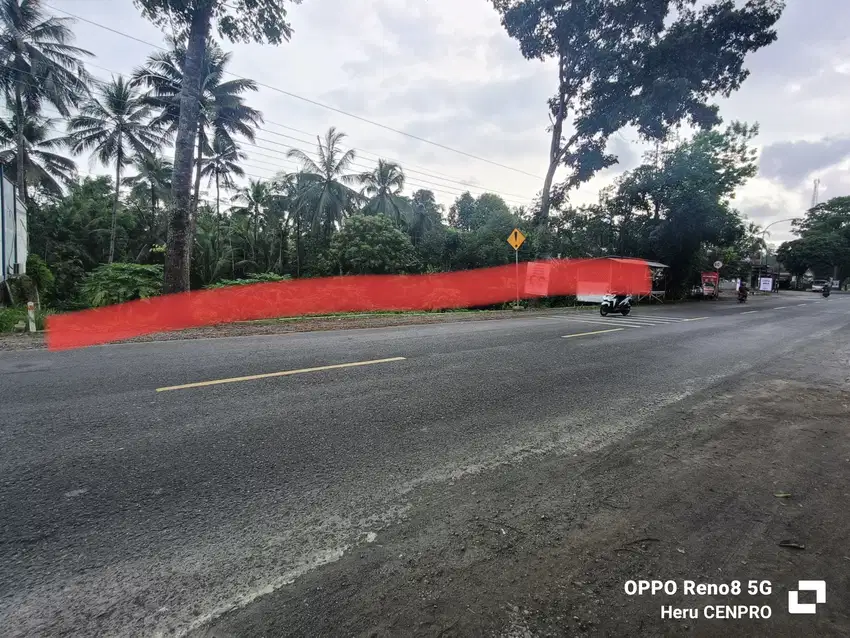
{"type": "Point", "coordinates": [650, 64]}
{"type": "Point", "coordinates": [824, 243]}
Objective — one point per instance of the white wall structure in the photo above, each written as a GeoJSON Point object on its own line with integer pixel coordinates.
{"type": "Point", "coordinates": [13, 231]}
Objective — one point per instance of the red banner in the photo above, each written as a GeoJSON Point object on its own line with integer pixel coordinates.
{"type": "Point", "coordinates": [361, 293]}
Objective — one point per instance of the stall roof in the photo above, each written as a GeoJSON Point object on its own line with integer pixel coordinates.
{"type": "Point", "coordinates": [628, 260]}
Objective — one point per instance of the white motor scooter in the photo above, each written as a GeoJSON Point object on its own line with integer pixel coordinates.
{"type": "Point", "coordinates": [615, 303]}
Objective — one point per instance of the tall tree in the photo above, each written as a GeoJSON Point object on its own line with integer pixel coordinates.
{"type": "Point", "coordinates": [253, 201]}
{"type": "Point", "coordinates": [327, 189]}
{"type": "Point", "coordinates": [382, 188]}
{"type": "Point", "coordinates": [45, 168]}
{"type": "Point", "coordinates": [222, 166]}
{"type": "Point", "coordinates": [115, 126]}
{"type": "Point", "coordinates": [153, 175]}
{"type": "Point", "coordinates": [824, 243]}
{"type": "Point", "coordinates": [293, 194]}
{"type": "Point", "coordinates": [424, 214]}
{"type": "Point", "coordinates": [37, 65]}
{"type": "Point", "coordinates": [151, 185]}
{"type": "Point", "coordinates": [462, 212]}
{"type": "Point", "coordinates": [685, 204]}
{"type": "Point", "coordinates": [223, 112]}
{"type": "Point", "coordinates": [650, 64]}
{"type": "Point", "coordinates": [237, 20]}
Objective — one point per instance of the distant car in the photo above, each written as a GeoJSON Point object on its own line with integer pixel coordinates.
{"type": "Point", "coordinates": [818, 284]}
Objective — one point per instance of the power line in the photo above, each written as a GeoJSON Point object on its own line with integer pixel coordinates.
{"type": "Point", "coordinates": [517, 200]}
{"type": "Point", "coordinates": [292, 162]}
{"type": "Point", "coordinates": [282, 158]}
{"type": "Point", "coordinates": [315, 102]}
{"type": "Point", "coordinates": [383, 156]}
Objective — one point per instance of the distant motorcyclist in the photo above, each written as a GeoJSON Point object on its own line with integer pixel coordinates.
{"type": "Point", "coordinates": [743, 292]}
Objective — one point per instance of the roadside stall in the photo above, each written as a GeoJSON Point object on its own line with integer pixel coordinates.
{"type": "Point", "coordinates": [710, 282]}
{"type": "Point", "coordinates": [591, 278]}
{"type": "Point", "coordinates": [658, 292]}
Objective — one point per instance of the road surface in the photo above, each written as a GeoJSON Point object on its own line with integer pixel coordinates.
{"type": "Point", "coordinates": [149, 488]}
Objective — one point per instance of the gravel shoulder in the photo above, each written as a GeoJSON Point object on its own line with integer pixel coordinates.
{"type": "Point", "coordinates": [544, 547]}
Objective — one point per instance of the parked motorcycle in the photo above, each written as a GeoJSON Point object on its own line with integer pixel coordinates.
{"type": "Point", "coordinates": [616, 303]}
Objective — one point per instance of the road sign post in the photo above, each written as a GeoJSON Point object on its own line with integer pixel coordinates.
{"type": "Point", "coordinates": [31, 315]}
{"type": "Point", "coordinates": [515, 239]}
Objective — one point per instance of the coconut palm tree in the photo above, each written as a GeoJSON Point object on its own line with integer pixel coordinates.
{"type": "Point", "coordinates": [254, 200]}
{"type": "Point", "coordinates": [116, 125]}
{"type": "Point", "coordinates": [214, 254]}
{"type": "Point", "coordinates": [326, 182]}
{"type": "Point", "coordinates": [153, 180]}
{"type": "Point", "coordinates": [153, 176]}
{"type": "Point", "coordinates": [292, 196]}
{"type": "Point", "coordinates": [382, 187]}
{"type": "Point", "coordinates": [37, 66]}
{"type": "Point", "coordinates": [223, 113]}
{"type": "Point", "coordinates": [44, 168]}
{"type": "Point", "coordinates": [222, 165]}
{"type": "Point", "coordinates": [424, 214]}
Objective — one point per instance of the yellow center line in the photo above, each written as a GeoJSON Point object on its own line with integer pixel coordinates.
{"type": "Point", "coordinates": [595, 332]}
{"type": "Point", "coordinates": [285, 373]}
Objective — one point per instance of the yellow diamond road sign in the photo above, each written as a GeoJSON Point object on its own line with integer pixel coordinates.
{"type": "Point", "coordinates": [516, 238]}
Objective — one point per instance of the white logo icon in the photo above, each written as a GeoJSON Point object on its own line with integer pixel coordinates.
{"type": "Point", "coordinates": [794, 604]}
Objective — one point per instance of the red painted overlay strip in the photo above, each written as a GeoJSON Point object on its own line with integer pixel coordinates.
{"type": "Point", "coordinates": [361, 293]}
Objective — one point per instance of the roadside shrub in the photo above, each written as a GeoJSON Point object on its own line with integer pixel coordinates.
{"type": "Point", "coordinates": [117, 283]}
{"type": "Point", "coordinates": [41, 276]}
{"type": "Point", "coordinates": [11, 316]}
{"type": "Point", "coordinates": [262, 277]}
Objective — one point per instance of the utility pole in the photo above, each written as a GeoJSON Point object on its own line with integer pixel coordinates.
{"type": "Point", "coordinates": [815, 193]}
{"type": "Point", "coordinates": [764, 243]}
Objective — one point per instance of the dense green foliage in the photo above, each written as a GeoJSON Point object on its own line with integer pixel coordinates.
{"type": "Point", "coordinates": [259, 278]}
{"type": "Point", "coordinates": [116, 283]}
{"type": "Point", "coordinates": [647, 64]}
{"type": "Point", "coordinates": [371, 245]}
{"type": "Point", "coordinates": [325, 218]}
{"type": "Point", "coordinates": [824, 243]}
{"type": "Point", "coordinates": [675, 209]}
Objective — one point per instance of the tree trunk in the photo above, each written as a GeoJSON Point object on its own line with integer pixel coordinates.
{"type": "Point", "coordinates": [153, 205]}
{"type": "Point", "coordinates": [297, 243]}
{"type": "Point", "coordinates": [217, 196]}
{"type": "Point", "coordinates": [280, 250]}
{"type": "Point", "coordinates": [555, 150]}
{"type": "Point", "coordinates": [198, 167]}
{"type": "Point", "coordinates": [178, 255]}
{"type": "Point", "coordinates": [193, 215]}
{"type": "Point", "coordinates": [21, 143]}
{"type": "Point", "coordinates": [256, 218]}
{"type": "Point", "coordinates": [115, 200]}
{"type": "Point", "coordinates": [547, 187]}
{"type": "Point", "coordinates": [232, 254]}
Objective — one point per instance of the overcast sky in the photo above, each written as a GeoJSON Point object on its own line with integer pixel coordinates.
{"type": "Point", "coordinates": [446, 71]}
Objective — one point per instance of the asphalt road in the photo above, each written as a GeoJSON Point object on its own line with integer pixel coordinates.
{"type": "Point", "coordinates": [125, 510]}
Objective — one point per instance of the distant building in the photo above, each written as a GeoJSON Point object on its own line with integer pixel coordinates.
{"type": "Point", "coordinates": [13, 231]}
